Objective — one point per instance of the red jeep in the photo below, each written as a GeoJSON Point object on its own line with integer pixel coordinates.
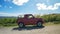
{"type": "Point", "coordinates": [29, 19]}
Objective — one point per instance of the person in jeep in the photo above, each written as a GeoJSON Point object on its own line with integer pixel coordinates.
{"type": "Point", "coordinates": [29, 19]}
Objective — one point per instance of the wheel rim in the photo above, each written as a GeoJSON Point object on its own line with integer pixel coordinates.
{"type": "Point", "coordinates": [39, 24]}
{"type": "Point", "coordinates": [21, 25]}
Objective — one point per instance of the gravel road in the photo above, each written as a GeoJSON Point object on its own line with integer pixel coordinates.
{"type": "Point", "coordinates": [55, 29]}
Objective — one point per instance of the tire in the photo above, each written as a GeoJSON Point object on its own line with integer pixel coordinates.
{"type": "Point", "coordinates": [21, 25]}
{"type": "Point", "coordinates": [39, 24]}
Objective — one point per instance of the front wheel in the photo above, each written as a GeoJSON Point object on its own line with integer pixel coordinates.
{"type": "Point", "coordinates": [39, 24]}
{"type": "Point", "coordinates": [21, 25]}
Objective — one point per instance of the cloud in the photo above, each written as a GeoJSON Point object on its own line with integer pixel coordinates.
{"type": "Point", "coordinates": [20, 2]}
{"type": "Point", "coordinates": [42, 6]}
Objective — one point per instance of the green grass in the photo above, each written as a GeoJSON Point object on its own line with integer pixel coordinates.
{"type": "Point", "coordinates": [8, 25]}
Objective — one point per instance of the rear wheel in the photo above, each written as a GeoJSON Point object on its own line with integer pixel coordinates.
{"type": "Point", "coordinates": [39, 24]}
{"type": "Point", "coordinates": [21, 25]}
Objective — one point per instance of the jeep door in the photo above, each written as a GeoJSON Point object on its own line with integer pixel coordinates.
{"type": "Point", "coordinates": [32, 20]}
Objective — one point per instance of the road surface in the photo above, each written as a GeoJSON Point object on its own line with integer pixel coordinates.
{"type": "Point", "coordinates": [55, 29]}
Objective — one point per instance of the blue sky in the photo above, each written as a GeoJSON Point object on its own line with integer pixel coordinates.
{"type": "Point", "coordinates": [17, 7]}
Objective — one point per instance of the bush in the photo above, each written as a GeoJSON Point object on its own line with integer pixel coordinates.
{"type": "Point", "coordinates": [51, 17]}
{"type": "Point", "coordinates": [7, 21]}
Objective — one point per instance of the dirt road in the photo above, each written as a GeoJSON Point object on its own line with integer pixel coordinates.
{"type": "Point", "coordinates": [55, 29]}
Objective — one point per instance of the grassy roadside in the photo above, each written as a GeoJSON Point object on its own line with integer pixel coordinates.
{"type": "Point", "coordinates": [51, 23]}
{"type": "Point", "coordinates": [8, 25]}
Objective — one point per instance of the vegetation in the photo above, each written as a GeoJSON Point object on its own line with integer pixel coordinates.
{"type": "Point", "coordinates": [11, 21]}
{"type": "Point", "coordinates": [55, 18]}
{"type": "Point", "coordinates": [8, 21]}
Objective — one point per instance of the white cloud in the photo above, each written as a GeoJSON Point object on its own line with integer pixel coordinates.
{"type": "Point", "coordinates": [42, 6]}
{"type": "Point", "coordinates": [20, 2]}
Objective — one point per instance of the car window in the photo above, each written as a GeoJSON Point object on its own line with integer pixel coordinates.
{"type": "Point", "coordinates": [30, 17]}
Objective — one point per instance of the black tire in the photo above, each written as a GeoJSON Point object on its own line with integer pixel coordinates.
{"type": "Point", "coordinates": [39, 24]}
{"type": "Point", "coordinates": [21, 25]}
